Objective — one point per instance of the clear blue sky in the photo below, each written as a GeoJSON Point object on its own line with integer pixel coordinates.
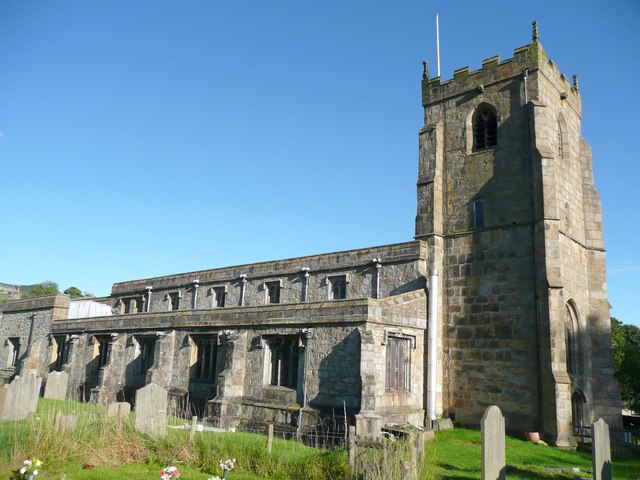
{"type": "Point", "coordinates": [148, 138]}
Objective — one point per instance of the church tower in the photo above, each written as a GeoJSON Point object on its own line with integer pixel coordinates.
{"type": "Point", "coordinates": [509, 210]}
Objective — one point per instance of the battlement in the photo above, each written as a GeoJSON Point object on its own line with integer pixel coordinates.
{"type": "Point", "coordinates": [531, 58]}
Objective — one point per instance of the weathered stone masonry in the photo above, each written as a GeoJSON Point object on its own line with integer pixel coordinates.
{"type": "Point", "coordinates": [508, 260]}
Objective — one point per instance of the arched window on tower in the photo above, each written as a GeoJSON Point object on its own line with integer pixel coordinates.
{"type": "Point", "coordinates": [572, 339]}
{"type": "Point", "coordinates": [485, 127]}
{"type": "Point", "coordinates": [561, 140]}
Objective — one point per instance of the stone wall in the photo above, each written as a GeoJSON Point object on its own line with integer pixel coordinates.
{"type": "Point", "coordinates": [29, 322]}
{"type": "Point", "coordinates": [398, 273]}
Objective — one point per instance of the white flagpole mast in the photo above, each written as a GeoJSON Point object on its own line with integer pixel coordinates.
{"type": "Point", "coordinates": [438, 42]}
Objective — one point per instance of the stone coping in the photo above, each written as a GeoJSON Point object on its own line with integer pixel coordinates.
{"type": "Point", "coordinates": [394, 253]}
{"type": "Point", "coordinates": [307, 314]}
{"type": "Point", "coordinates": [36, 303]}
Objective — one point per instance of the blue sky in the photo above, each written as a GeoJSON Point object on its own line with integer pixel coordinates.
{"type": "Point", "coordinates": [155, 137]}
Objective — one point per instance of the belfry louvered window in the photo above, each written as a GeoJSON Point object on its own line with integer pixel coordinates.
{"type": "Point", "coordinates": [485, 128]}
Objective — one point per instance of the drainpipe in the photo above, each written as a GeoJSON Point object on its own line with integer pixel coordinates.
{"type": "Point", "coordinates": [305, 271]}
{"type": "Point", "coordinates": [243, 282]}
{"type": "Point", "coordinates": [432, 365]}
{"type": "Point", "coordinates": [378, 263]}
{"type": "Point", "coordinates": [148, 309]}
{"type": "Point", "coordinates": [195, 294]}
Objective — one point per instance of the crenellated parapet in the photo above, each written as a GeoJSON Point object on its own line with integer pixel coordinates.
{"type": "Point", "coordinates": [529, 59]}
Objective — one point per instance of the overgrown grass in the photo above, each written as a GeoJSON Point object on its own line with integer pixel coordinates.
{"type": "Point", "coordinates": [111, 448]}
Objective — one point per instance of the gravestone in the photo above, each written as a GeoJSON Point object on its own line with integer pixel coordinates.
{"type": "Point", "coordinates": [151, 410]}
{"type": "Point", "coordinates": [493, 451]}
{"type": "Point", "coordinates": [61, 421]}
{"type": "Point", "coordinates": [601, 451]}
{"type": "Point", "coordinates": [31, 390]}
{"type": "Point", "coordinates": [118, 409]}
{"type": "Point", "coordinates": [20, 397]}
{"type": "Point", "coordinates": [56, 387]}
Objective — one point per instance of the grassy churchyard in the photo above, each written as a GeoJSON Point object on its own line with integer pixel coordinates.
{"type": "Point", "coordinates": [101, 447]}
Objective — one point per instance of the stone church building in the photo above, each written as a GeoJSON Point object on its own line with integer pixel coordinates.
{"type": "Point", "coordinates": [501, 298]}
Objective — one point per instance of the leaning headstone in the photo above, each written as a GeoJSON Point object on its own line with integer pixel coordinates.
{"type": "Point", "coordinates": [601, 451]}
{"type": "Point", "coordinates": [118, 409]}
{"type": "Point", "coordinates": [56, 387]}
{"type": "Point", "coordinates": [443, 424]}
{"type": "Point", "coordinates": [493, 452]}
{"type": "Point", "coordinates": [151, 410]}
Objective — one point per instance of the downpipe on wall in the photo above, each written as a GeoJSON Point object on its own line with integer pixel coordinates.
{"type": "Point", "coordinates": [432, 363]}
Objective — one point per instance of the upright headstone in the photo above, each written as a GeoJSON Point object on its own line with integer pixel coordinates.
{"type": "Point", "coordinates": [151, 410]}
{"type": "Point", "coordinates": [493, 455]}
{"type": "Point", "coordinates": [31, 390]}
{"type": "Point", "coordinates": [118, 409]}
{"type": "Point", "coordinates": [56, 387]}
{"type": "Point", "coordinates": [21, 397]}
{"type": "Point", "coordinates": [601, 451]}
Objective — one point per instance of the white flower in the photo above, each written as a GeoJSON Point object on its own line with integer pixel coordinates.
{"type": "Point", "coordinates": [27, 463]}
{"type": "Point", "coordinates": [38, 463]}
{"type": "Point", "coordinates": [35, 472]}
{"type": "Point", "coordinates": [22, 470]}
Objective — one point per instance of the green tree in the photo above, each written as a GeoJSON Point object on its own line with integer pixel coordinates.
{"type": "Point", "coordinates": [74, 292]}
{"type": "Point", "coordinates": [625, 342]}
{"type": "Point", "coordinates": [41, 290]}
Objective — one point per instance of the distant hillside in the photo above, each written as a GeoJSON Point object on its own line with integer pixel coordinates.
{"type": "Point", "coordinates": [12, 292]}
{"type": "Point", "coordinates": [8, 288]}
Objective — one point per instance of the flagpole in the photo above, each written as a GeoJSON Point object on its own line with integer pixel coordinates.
{"type": "Point", "coordinates": [438, 42]}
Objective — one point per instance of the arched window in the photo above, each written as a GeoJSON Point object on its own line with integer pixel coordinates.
{"type": "Point", "coordinates": [577, 411]}
{"type": "Point", "coordinates": [485, 128]}
{"type": "Point", "coordinates": [562, 145]}
{"type": "Point", "coordinates": [572, 338]}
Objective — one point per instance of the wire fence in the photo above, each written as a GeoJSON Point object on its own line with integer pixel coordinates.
{"type": "Point", "coordinates": [624, 443]}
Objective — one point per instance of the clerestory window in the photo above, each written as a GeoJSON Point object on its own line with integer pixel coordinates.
{"type": "Point", "coordinates": [273, 292]}
{"type": "Point", "coordinates": [485, 128]}
{"type": "Point", "coordinates": [338, 287]}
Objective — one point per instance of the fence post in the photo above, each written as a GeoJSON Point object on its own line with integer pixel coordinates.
{"type": "Point", "coordinates": [351, 446]}
{"type": "Point", "coordinates": [269, 437]}
{"type": "Point", "coordinates": [194, 424]}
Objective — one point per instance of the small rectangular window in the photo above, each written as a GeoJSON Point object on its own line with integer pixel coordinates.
{"type": "Point", "coordinates": [13, 344]}
{"type": "Point", "coordinates": [219, 295]}
{"type": "Point", "coordinates": [478, 214]}
{"type": "Point", "coordinates": [174, 299]}
{"type": "Point", "coordinates": [273, 292]}
{"type": "Point", "coordinates": [132, 305]}
{"type": "Point", "coordinates": [398, 364]}
{"type": "Point", "coordinates": [338, 287]}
